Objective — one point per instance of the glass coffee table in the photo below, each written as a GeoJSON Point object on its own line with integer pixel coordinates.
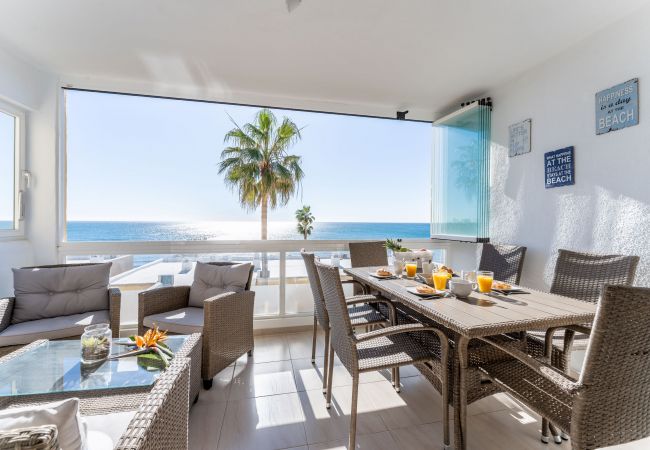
{"type": "Point", "coordinates": [48, 370]}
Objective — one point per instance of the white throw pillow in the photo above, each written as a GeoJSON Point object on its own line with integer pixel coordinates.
{"type": "Point", "coordinates": [211, 280]}
{"type": "Point", "coordinates": [63, 414]}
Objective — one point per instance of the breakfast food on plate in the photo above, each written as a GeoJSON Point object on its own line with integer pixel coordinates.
{"type": "Point", "coordinates": [424, 289]}
{"type": "Point", "coordinates": [383, 272]}
{"type": "Point", "coordinates": [500, 285]}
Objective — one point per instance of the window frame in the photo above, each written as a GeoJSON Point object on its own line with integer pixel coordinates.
{"type": "Point", "coordinates": [19, 115]}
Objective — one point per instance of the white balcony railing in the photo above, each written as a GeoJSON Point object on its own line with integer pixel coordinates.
{"type": "Point", "coordinates": [282, 294]}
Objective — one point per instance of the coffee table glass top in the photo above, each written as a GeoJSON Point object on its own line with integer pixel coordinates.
{"type": "Point", "coordinates": [55, 367]}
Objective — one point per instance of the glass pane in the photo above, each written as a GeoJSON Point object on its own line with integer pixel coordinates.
{"type": "Point", "coordinates": [460, 184]}
{"type": "Point", "coordinates": [133, 274]}
{"type": "Point", "coordinates": [7, 170]}
{"type": "Point", "coordinates": [56, 367]}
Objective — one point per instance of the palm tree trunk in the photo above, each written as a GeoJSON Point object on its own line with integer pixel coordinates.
{"type": "Point", "coordinates": [265, 218]}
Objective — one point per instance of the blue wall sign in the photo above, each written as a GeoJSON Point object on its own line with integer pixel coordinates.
{"type": "Point", "coordinates": [559, 167]}
{"type": "Point", "coordinates": [617, 107]}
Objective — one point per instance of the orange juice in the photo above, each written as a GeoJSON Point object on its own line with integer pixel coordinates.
{"type": "Point", "coordinates": [440, 280]}
{"type": "Point", "coordinates": [484, 281]}
{"type": "Point", "coordinates": [411, 269]}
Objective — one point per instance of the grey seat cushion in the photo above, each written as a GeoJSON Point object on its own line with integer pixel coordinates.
{"type": "Point", "coordinates": [43, 293]}
{"type": "Point", "coordinates": [180, 321]}
{"type": "Point", "coordinates": [54, 328]}
{"type": "Point", "coordinates": [211, 280]}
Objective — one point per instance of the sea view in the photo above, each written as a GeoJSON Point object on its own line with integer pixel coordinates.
{"type": "Point", "coordinates": [201, 231]}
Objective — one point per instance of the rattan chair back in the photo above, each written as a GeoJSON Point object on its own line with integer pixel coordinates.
{"type": "Point", "coordinates": [342, 336]}
{"type": "Point", "coordinates": [316, 289]}
{"type": "Point", "coordinates": [583, 275]}
{"type": "Point", "coordinates": [363, 254]}
{"type": "Point", "coordinates": [506, 261]}
{"type": "Point", "coordinates": [613, 408]}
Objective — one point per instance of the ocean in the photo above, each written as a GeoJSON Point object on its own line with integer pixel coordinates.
{"type": "Point", "coordinates": [202, 231]}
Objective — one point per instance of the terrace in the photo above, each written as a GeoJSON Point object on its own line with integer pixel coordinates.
{"type": "Point", "coordinates": [430, 124]}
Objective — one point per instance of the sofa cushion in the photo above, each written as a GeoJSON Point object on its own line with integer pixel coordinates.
{"type": "Point", "coordinates": [56, 328]}
{"type": "Point", "coordinates": [181, 321]}
{"type": "Point", "coordinates": [211, 280]}
{"type": "Point", "coordinates": [63, 414]}
{"type": "Point", "coordinates": [105, 430]}
{"type": "Point", "coordinates": [42, 293]}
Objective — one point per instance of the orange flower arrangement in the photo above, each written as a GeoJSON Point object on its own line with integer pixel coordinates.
{"type": "Point", "coordinates": [152, 342]}
{"type": "Point", "coordinates": [151, 338]}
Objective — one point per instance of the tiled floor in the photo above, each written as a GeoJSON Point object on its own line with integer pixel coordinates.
{"type": "Point", "coordinates": [274, 400]}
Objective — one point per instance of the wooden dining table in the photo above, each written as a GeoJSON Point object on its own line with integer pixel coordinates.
{"type": "Point", "coordinates": [478, 316]}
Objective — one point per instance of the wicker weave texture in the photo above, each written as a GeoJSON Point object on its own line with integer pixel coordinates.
{"type": "Point", "coordinates": [227, 322]}
{"type": "Point", "coordinates": [609, 404]}
{"type": "Point", "coordinates": [161, 422]}
{"type": "Point", "coordinates": [33, 438]}
{"type": "Point", "coordinates": [583, 275]}
{"type": "Point", "coordinates": [506, 261]}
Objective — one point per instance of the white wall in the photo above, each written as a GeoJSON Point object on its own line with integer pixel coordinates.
{"type": "Point", "coordinates": [35, 91]}
{"type": "Point", "coordinates": [608, 208]}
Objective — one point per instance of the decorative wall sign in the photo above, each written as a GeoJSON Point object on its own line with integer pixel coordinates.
{"type": "Point", "coordinates": [617, 107]}
{"type": "Point", "coordinates": [519, 138]}
{"type": "Point", "coordinates": [559, 167]}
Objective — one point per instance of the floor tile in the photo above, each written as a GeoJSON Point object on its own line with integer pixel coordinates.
{"type": "Point", "coordinates": [220, 386]}
{"type": "Point", "coordinates": [323, 425]}
{"type": "Point", "coordinates": [300, 344]}
{"type": "Point", "coordinates": [263, 423]}
{"type": "Point", "coordinates": [206, 419]}
{"type": "Point", "coordinates": [260, 379]}
{"type": "Point", "coordinates": [309, 377]}
{"type": "Point", "coordinates": [375, 441]}
{"type": "Point", "coordinates": [417, 403]}
{"type": "Point", "coordinates": [420, 437]}
{"type": "Point", "coordinates": [272, 347]}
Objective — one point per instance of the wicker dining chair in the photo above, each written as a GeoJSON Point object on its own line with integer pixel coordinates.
{"type": "Point", "coordinates": [361, 315]}
{"type": "Point", "coordinates": [608, 404]}
{"type": "Point", "coordinates": [386, 348]}
{"type": "Point", "coordinates": [364, 254]}
{"type": "Point", "coordinates": [506, 261]}
{"type": "Point", "coordinates": [582, 276]}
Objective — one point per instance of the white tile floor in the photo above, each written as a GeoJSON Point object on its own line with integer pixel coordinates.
{"type": "Point", "coordinates": [274, 400]}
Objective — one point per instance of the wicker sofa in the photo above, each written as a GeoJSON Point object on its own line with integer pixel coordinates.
{"type": "Point", "coordinates": [15, 333]}
{"type": "Point", "coordinates": [225, 320]}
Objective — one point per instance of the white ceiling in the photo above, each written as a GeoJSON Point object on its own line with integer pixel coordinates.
{"type": "Point", "coordinates": [418, 54]}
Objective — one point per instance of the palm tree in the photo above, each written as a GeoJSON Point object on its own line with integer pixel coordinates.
{"type": "Point", "coordinates": [305, 221]}
{"type": "Point", "coordinates": [257, 165]}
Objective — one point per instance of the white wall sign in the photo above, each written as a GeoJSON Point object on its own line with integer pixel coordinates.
{"type": "Point", "coordinates": [519, 138]}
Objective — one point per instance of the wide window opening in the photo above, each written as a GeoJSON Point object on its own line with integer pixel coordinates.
{"type": "Point", "coordinates": [150, 169]}
{"type": "Point", "coordinates": [10, 166]}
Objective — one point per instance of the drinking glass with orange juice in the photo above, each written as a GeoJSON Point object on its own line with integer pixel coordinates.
{"type": "Point", "coordinates": [440, 280]}
{"type": "Point", "coordinates": [411, 269]}
{"type": "Point", "coordinates": [484, 280]}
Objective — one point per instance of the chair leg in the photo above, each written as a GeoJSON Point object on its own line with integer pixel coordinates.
{"type": "Point", "coordinates": [330, 375]}
{"type": "Point", "coordinates": [313, 341]}
{"type": "Point", "coordinates": [325, 360]}
{"type": "Point", "coordinates": [207, 384]}
{"type": "Point", "coordinates": [555, 433]}
{"type": "Point", "coordinates": [250, 352]}
{"type": "Point", "coordinates": [398, 387]}
{"type": "Point", "coordinates": [545, 438]}
{"type": "Point", "coordinates": [353, 413]}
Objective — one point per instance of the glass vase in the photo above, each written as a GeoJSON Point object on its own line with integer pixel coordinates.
{"type": "Point", "coordinates": [96, 343]}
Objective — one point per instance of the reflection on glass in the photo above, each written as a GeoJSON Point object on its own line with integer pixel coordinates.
{"type": "Point", "coordinates": [7, 167]}
{"type": "Point", "coordinates": [460, 174]}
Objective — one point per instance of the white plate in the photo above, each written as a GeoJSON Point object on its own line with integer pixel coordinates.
{"type": "Point", "coordinates": [381, 277]}
{"type": "Point", "coordinates": [437, 294]}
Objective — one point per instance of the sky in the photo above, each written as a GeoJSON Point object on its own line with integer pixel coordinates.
{"type": "Point", "coordinates": [6, 169]}
{"type": "Point", "coordinates": [135, 158]}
